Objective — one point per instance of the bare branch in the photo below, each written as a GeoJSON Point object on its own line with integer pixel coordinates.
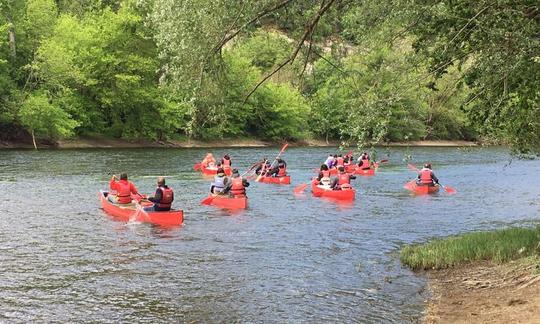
{"type": "Point", "coordinates": [308, 30]}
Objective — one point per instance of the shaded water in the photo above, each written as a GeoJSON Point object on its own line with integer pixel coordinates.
{"type": "Point", "coordinates": [285, 259]}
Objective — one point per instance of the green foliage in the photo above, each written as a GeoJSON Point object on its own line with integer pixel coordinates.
{"type": "Point", "coordinates": [38, 115]}
{"type": "Point", "coordinates": [498, 246]}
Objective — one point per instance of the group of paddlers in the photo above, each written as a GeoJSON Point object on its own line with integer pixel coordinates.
{"type": "Point", "coordinates": [236, 184]}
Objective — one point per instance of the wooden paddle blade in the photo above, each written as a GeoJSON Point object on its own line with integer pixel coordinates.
{"type": "Point", "coordinates": [449, 190]}
{"type": "Point", "coordinates": [207, 200]}
{"type": "Point", "coordinates": [300, 188]}
{"type": "Point", "coordinates": [197, 166]}
{"type": "Point", "coordinates": [412, 167]}
{"type": "Point", "coordinates": [383, 161]}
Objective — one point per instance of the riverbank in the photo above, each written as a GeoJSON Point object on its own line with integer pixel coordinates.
{"type": "Point", "coordinates": [481, 277]}
{"type": "Point", "coordinates": [91, 142]}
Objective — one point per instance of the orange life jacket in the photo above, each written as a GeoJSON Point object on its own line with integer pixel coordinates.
{"type": "Point", "coordinates": [425, 176]}
{"type": "Point", "coordinates": [123, 192]}
{"type": "Point", "coordinates": [325, 174]}
{"type": "Point", "coordinates": [226, 163]}
{"type": "Point", "coordinates": [167, 197]}
{"type": "Point", "coordinates": [344, 178]}
{"type": "Point", "coordinates": [339, 161]}
{"type": "Point", "coordinates": [237, 187]}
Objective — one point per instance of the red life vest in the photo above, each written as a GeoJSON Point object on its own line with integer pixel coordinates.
{"type": "Point", "coordinates": [366, 164]}
{"type": "Point", "coordinates": [344, 179]}
{"type": "Point", "coordinates": [339, 161]}
{"type": "Point", "coordinates": [167, 197]}
{"type": "Point", "coordinates": [226, 163]}
{"type": "Point", "coordinates": [282, 172]}
{"type": "Point", "coordinates": [123, 189]}
{"type": "Point", "coordinates": [325, 174]}
{"type": "Point", "coordinates": [425, 176]}
{"type": "Point", "coordinates": [237, 188]}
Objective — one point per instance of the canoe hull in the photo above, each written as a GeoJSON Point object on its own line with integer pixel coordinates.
{"type": "Point", "coordinates": [132, 212]}
{"type": "Point", "coordinates": [277, 180]}
{"type": "Point", "coordinates": [230, 202]}
{"type": "Point", "coordinates": [213, 171]}
{"type": "Point", "coordinates": [367, 172]}
{"type": "Point", "coordinates": [421, 190]}
{"type": "Point", "coordinates": [344, 195]}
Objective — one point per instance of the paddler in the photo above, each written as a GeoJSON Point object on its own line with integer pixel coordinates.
{"type": "Point", "coordinates": [280, 170]}
{"type": "Point", "coordinates": [363, 161]}
{"type": "Point", "coordinates": [226, 161]}
{"type": "Point", "coordinates": [124, 188]}
{"type": "Point", "coordinates": [163, 197]}
{"type": "Point", "coordinates": [342, 181]}
{"type": "Point", "coordinates": [220, 182]}
{"type": "Point", "coordinates": [237, 185]}
{"type": "Point", "coordinates": [426, 177]}
{"type": "Point", "coordinates": [209, 161]}
{"type": "Point", "coordinates": [339, 161]}
{"type": "Point", "coordinates": [264, 164]}
{"type": "Point", "coordinates": [329, 161]}
{"type": "Point", "coordinates": [324, 176]}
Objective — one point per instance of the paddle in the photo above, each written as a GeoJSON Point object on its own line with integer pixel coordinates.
{"type": "Point", "coordinates": [449, 190]}
{"type": "Point", "coordinates": [271, 165]}
{"type": "Point", "coordinates": [207, 201]}
{"type": "Point", "coordinates": [376, 164]}
{"type": "Point", "coordinates": [300, 188]}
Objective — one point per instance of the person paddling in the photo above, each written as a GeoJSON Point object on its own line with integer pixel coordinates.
{"type": "Point", "coordinates": [324, 176]}
{"type": "Point", "coordinates": [342, 181]}
{"type": "Point", "coordinates": [364, 162]}
{"type": "Point", "coordinates": [163, 197]}
{"type": "Point", "coordinates": [209, 161]}
{"type": "Point", "coordinates": [264, 164]}
{"type": "Point", "coordinates": [237, 185]}
{"type": "Point", "coordinates": [426, 177]}
{"type": "Point", "coordinates": [220, 182]}
{"type": "Point", "coordinates": [278, 171]}
{"type": "Point", "coordinates": [329, 161]}
{"type": "Point", "coordinates": [226, 161]}
{"type": "Point", "coordinates": [340, 161]}
{"type": "Point", "coordinates": [124, 189]}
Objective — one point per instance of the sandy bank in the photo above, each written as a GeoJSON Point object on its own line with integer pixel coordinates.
{"type": "Point", "coordinates": [81, 143]}
{"type": "Point", "coordinates": [486, 293]}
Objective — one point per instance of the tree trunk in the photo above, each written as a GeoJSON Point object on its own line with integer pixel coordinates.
{"type": "Point", "coordinates": [11, 36]}
{"type": "Point", "coordinates": [34, 139]}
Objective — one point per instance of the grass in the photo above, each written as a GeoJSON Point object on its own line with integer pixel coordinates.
{"type": "Point", "coordinates": [498, 246]}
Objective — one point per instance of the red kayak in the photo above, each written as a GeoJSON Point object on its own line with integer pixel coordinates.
{"type": "Point", "coordinates": [136, 213]}
{"type": "Point", "coordinates": [276, 180]}
{"type": "Point", "coordinates": [421, 190]}
{"type": "Point", "coordinates": [366, 172]}
{"type": "Point", "coordinates": [213, 170]}
{"type": "Point", "coordinates": [226, 202]}
{"type": "Point", "coordinates": [321, 191]}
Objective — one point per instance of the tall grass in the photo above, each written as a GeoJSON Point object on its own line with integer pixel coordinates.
{"type": "Point", "coordinates": [498, 246]}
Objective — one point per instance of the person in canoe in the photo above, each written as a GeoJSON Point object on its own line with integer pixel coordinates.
{"type": "Point", "coordinates": [364, 162]}
{"type": "Point", "coordinates": [221, 181]}
{"type": "Point", "coordinates": [342, 181]}
{"type": "Point", "coordinates": [264, 164]}
{"type": "Point", "coordinates": [329, 161]}
{"type": "Point", "coordinates": [426, 177]}
{"type": "Point", "coordinates": [324, 176]}
{"type": "Point", "coordinates": [339, 161]}
{"type": "Point", "coordinates": [226, 161]}
{"type": "Point", "coordinates": [278, 171]}
{"type": "Point", "coordinates": [124, 188]}
{"type": "Point", "coordinates": [163, 197]}
{"type": "Point", "coordinates": [237, 185]}
{"type": "Point", "coordinates": [209, 161]}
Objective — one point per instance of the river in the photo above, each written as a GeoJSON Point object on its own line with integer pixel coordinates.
{"type": "Point", "coordinates": [285, 259]}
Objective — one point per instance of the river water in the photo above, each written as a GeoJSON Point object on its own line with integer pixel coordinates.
{"type": "Point", "coordinates": [285, 259]}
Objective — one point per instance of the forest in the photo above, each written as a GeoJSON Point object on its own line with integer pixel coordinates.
{"type": "Point", "coordinates": [359, 72]}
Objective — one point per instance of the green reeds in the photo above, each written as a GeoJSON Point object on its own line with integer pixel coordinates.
{"type": "Point", "coordinates": [498, 246]}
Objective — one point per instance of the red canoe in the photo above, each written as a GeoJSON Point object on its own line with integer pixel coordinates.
{"type": "Point", "coordinates": [367, 172]}
{"type": "Point", "coordinates": [136, 213]}
{"type": "Point", "coordinates": [421, 190]}
{"type": "Point", "coordinates": [319, 191]}
{"type": "Point", "coordinates": [277, 180]}
{"type": "Point", "coordinates": [227, 202]}
{"type": "Point", "coordinates": [213, 171]}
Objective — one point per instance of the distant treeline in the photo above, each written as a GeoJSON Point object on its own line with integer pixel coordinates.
{"type": "Point", "coordinates": [364, 72]}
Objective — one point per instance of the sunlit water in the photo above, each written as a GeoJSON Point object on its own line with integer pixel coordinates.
{"type": "Point", "coordinates": [285, 259]}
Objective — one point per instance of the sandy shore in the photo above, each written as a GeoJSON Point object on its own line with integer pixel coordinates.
{"type": "Point", "coordinates": [119, 143]}
{"type": "Point", "coordinates": [486, 293]}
